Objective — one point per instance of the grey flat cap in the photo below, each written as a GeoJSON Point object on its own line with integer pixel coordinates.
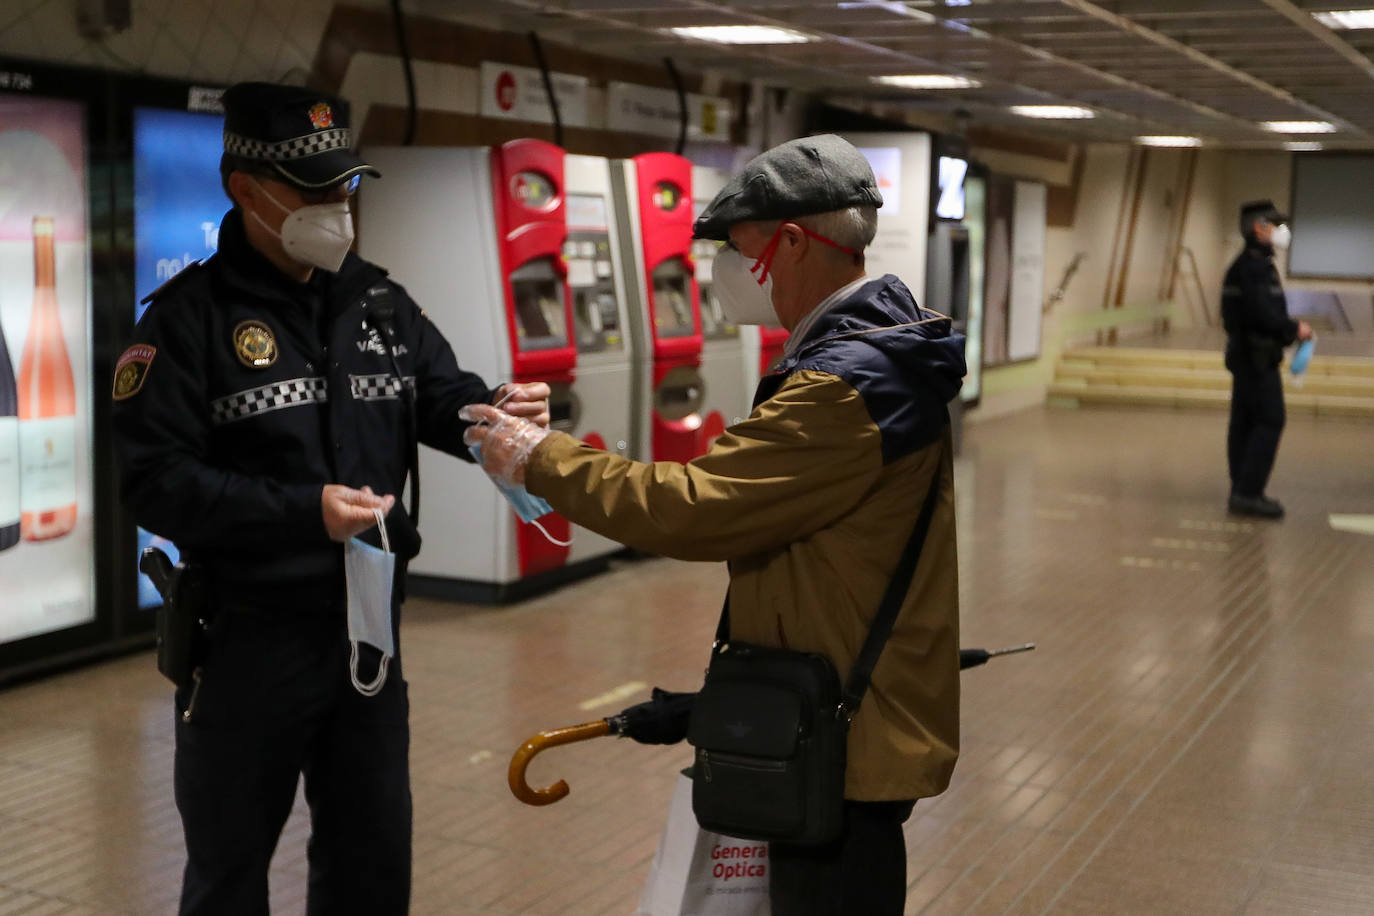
{"type": "Point", "coordinates": [809, 175]}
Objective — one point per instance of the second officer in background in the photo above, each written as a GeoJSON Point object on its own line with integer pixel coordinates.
{"type": "Point", "coordinates": [1255, 315]}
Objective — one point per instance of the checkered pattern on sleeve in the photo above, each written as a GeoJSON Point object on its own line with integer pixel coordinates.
{"type": "Point", "coordinates": [312, 144]}
{"type": "Point", "coordinates": [382, 387]}
{"type": "Point", "coordinates": [296, 392]}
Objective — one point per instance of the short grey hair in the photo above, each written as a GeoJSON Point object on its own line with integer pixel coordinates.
{"type": "Point", "coordinates": [852, 227]}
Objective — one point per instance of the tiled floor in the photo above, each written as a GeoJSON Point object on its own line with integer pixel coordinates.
{"type": "Point", "coordinates": [1194, 734]}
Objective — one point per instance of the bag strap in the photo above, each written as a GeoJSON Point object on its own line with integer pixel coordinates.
{"type": "Point", "coordinates": [856, 684]}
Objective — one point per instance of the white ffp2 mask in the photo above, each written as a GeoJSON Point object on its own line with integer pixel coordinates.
{"type": "Point", "coordinates": [742, 298]}
{"type": "Point", "coordinates": [316, 234]}
{"type": "Point", "coordinates": [1283, 237]}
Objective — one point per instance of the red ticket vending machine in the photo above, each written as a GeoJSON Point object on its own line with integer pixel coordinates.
{"type": "Point", "coordinates": [726, 395]}
{"type": "Point", "coordinates": [476, 236]}
{"type": "Point", "coordinates": [654, 208]}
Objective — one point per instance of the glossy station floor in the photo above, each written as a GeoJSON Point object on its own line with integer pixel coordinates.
{"type": "Point", "coordinates": [1195, 733]}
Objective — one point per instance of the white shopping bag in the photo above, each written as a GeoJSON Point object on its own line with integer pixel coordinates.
{"type": "Point", "coordinates": [699, 873]}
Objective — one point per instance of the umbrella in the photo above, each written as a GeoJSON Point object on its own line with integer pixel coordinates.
{"type": "Point", "coordinates": [660, 720]}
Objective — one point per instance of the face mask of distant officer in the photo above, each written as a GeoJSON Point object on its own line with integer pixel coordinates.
{"type": "Point", "coordinates": [1283, 237]}
{"type": "Point", "coordinates": [746, 292]}
{"type": "Point", "coordinates": [316, 234]}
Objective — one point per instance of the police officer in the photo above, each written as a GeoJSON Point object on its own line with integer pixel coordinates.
{"type": "Point", "coordinates": [264, 418]}
{"type": "Point", "coordinates": [1255, 315]}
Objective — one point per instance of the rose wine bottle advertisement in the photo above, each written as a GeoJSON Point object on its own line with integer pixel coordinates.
{"type": "Point", "coordinates": [9, 450]}
{"type": "Point", "coordinates": [47, 406]}
{"type": "Point", "coordinates": [47, 571]}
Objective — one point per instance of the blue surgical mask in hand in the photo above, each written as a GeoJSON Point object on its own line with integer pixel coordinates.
{"type": "Point", "coordinates": [1301, 358]}
{"type": "Point", "coordinates": [526, 505]}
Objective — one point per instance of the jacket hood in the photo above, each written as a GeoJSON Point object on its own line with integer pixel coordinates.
{"type": "Point", "coordinates": [884, 314]}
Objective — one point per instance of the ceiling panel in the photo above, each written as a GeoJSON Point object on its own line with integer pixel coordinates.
{"type": "Point", "coordinates": [1210, 67]}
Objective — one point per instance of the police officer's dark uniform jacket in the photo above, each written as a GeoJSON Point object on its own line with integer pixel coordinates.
{"type": "Point", "coordinates": [1254, 311]}
{"type": "Point", "coordinates": [262, 390]}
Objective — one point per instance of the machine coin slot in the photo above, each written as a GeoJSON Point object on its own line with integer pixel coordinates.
{"type": "Point", "coordinates": [538, 293]}
{"type": "Point", "coordinates": [714, 324]}
{"type": "Point", "coordinates": [672, 282]}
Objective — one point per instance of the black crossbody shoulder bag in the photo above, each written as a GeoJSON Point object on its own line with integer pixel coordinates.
{"type": "Point", "coordinates": [770, 726]}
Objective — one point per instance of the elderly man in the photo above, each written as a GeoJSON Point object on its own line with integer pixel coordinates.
{"type": "Point", "coordinates": [812, 498]}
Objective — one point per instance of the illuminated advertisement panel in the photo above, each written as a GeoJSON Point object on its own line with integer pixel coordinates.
{"type": "Point", "coordinates": [47, 574]}
{"type": "Point", "coordinates": [178, 204]}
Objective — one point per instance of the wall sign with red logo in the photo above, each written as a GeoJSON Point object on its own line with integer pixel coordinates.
{"type": "Point", "coordinates": [518, 94]}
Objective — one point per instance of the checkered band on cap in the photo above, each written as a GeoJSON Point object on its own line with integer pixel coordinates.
{"type": "Point", "coordinates": [296, 392]}
{"type": "Point", "coordinates": [312, 144]}
{"type": "Point", "coordinates": [378, 387]}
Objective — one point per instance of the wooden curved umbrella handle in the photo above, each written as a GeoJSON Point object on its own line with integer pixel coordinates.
{"type": "Point", "coordinates": [540, 742]}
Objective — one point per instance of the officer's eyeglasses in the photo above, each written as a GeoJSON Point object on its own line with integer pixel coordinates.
{"type": "Point", "coordinates": [349, 186]}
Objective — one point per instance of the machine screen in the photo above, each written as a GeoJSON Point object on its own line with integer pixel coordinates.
{"type": "Point", "coordinates": [538, 293]}
{"type": "Point", "coordinates": [596, 311]}
{"type": "Point", "coordinates": [673, 299]}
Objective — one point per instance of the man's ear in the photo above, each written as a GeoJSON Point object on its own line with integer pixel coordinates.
{"type": "Point", "coordinates": [793, 236]}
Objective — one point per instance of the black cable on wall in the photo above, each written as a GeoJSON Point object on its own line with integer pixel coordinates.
{"type": "Point", "coordinates": [548, 87]}
{"type": "Point", "coordinates": [681, 104]}
{"type": "Point", "coordinates": [403, 46]}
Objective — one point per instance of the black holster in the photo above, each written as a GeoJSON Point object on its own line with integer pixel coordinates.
{"type": "Point", "coordinates": [182, 620]}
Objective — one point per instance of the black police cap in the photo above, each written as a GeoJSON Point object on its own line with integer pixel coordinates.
{"type": "Point", "coordinates": [301, 133]}
{"type": "Point", "coordinates": [1257, 210]}
{"type": "Point", "coordinates": [797, 178]}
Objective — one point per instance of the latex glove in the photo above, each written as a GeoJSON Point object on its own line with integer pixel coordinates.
{"type": "Point", "coordinates": [506, 441]}
{"type": "Point", "coordinates": [525, 399]}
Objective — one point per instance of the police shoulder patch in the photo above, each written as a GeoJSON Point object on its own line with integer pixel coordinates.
{"type": "Point", "coordinates": [132, 370]}
{"type": "Point", "coordinates": [255, 344]}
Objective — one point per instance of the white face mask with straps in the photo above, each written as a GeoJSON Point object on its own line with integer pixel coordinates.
{"type": "Point", "coordinates": [368, 573]}
{"type": "Point", "coordinates": [316, 234]}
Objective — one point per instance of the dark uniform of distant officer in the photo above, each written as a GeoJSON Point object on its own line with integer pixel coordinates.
{"type": "Point", "coordinates": [260, 421]}
{"type": "Point", "coordinates": [1255, 315]}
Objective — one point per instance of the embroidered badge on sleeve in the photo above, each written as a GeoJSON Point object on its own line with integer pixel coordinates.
{"type": "Point", "coordinates": [132, 370]}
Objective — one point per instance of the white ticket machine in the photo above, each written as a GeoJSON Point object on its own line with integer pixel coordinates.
{"type": "Point", "coordinates": [476, 235]}
{"type": "Point", "coordinates": [726, 393]}
{"type": "Point", "coordinates": [606, 377]}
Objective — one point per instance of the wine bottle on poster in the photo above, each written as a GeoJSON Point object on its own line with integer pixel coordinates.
{"type": "Point", "coordinates": [47, 406]}
{"type": "Point", "coordinates": [9, 450]}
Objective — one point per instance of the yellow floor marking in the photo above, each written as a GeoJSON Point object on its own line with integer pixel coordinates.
{"type": "Point", "coordinates": [1357, 524]}
{"type": "Point", "coordinates": [614, 695]}
{"type": "Point", "coordinates": [480, 756]}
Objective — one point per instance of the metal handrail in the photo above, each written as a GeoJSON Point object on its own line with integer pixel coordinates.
{"type": "Point", "coordinates": [1063, 286]}
{"type": "Point", "coordinates": [1197, 282]}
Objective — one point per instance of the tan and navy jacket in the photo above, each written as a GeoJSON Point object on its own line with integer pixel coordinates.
{"type": "Point", "coordinates": [810, 501]}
